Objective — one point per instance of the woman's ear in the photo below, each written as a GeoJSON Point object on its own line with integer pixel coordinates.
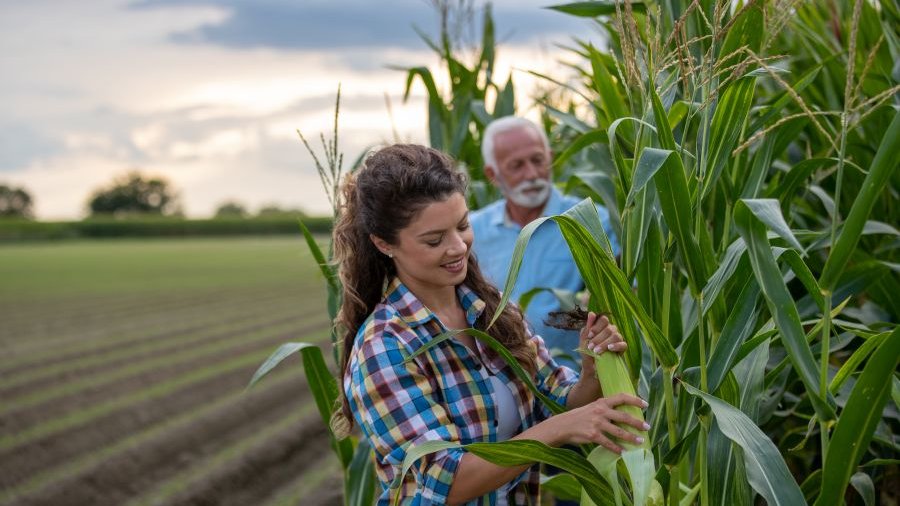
{"type": "Point", "coordinates": [382, 245]}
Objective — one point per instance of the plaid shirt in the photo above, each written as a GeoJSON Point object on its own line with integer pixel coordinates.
{"type": "Point", "coordinates": [443, 394]}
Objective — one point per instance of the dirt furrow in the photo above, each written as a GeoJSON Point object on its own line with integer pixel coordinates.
{"type": "Point", "coordinates": [132, 472]}
{"type": "Point", "coordinates": [11, 422]}
{"type": "Point", "coordinates": [137, 352]}
{"type": "Point", "coordinates": [43, 452]}
{"type": "Point", "coordinates": [50, 336]}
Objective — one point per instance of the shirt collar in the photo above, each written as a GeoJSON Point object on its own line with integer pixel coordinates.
{"type": "Point", "coordinates": [414, 313]}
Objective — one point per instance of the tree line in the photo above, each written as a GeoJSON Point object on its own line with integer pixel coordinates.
{"type": "Point", "coordinates": [132, 193]}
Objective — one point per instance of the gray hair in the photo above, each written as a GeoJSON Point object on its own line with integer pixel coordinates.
{"type": "Point", "coordinates": [505, 124]}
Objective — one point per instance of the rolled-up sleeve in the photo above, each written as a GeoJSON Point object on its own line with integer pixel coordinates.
{"type": "Point", "coordinates": [396, 406]}
{"type": "Point", "coordinates": [553, 379]}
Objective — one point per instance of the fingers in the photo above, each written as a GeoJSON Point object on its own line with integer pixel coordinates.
{"type": "Point", "coordinates": [587, 332]}
{"type": "Point", "coordinates": [622, 398]}
{"type": "Point", "coordinates": [603, 336]}
{"type": "Point", "coordinates": [622, 434]}
{"type": "Point", "coordinates": [627, 419]}
{"type": "Point", "coordinates": [607, 443]}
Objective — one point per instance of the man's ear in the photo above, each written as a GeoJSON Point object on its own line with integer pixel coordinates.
{"type": "Point", "coordinates": [381, 244]}
{"type": "Point", "coordinates": [490, 173]}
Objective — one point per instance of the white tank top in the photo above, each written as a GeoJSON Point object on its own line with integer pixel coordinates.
{"type": "Point", "coordinates": [507, 423]}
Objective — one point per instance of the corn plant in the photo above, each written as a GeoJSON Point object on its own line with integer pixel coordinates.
{"type": "Point", "coordinates": [458, 114]}
{"type": "Point", "coordinates": [747, 153]}
{"type": "Point", "coordinates": [354, 455]}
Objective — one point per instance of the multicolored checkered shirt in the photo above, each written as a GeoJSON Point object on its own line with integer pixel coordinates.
{"type": "Point", "coordinates": [443, 394]}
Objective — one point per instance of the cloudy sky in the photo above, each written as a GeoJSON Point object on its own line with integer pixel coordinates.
{"type": "Point", "coordinates": [210, 93]}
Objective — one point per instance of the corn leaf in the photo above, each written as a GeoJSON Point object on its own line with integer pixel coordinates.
{"type": "Point", "coordinates": [521, 451]}
{"type": "Point", "coordinates": [595, 8]}
{"type": "Point", "coordinates": [562, 486]}
{"type": "Point", "coordinates": [323, 385]}
{"type": "Point", "coordinates": [738, 327]}
{"type": "Point", "coordinates": [360, 482]}
{"type": "Point", "coordinates": [781, 304]}
{"type": "Point", "coordinates": [858, 420]}
{"type": "Point", "coordinates": [327, 271]}
{"type": "Point", "coordinates": [674, 198]}
{"type": "Point", "coordinates": [766, 470]}
{"type": "Point", "coordinates": [728, 121]}
{"type": "Point", "coordinates": [882, 168]}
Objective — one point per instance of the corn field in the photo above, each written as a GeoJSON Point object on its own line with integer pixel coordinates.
{"type": "Point", "coordinates": [747, 152]}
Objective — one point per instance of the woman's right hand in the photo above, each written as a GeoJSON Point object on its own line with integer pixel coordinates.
{"type": "Point", "coordinates": [599, 422]}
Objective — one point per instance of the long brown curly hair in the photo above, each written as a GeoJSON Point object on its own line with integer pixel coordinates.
{"type": "Point", "coordinates": [384, 196]}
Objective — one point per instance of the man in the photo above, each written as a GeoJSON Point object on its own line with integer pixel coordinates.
{"type": "Point", "coordinates": [518, 161]}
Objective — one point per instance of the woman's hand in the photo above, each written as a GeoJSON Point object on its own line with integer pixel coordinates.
{"type": "Point", "coordinates": [599, 422]}
{"type": "Point", "coordinates": [598, 335]}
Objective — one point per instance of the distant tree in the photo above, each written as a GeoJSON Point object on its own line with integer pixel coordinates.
{"type": "Point", "coordinates": [275, 210]}
{"type": "Point", "coordinates": [15, 202]}
{"type": "Point", "coordinates": [231, 209]}
{"type": "Point", "coordinates": [134, 193]}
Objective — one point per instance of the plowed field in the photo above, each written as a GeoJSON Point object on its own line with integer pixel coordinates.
{"type": "Point", "coordinates": [123, 367]}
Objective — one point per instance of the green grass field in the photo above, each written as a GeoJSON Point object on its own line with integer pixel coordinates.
{"type": "Point", "coordinates": [124, 365]}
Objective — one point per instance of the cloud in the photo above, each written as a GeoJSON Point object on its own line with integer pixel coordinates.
{"type": "Point", "coordinates": [210, 93]}
{"type": "Point", "coordinates": [331, 26]}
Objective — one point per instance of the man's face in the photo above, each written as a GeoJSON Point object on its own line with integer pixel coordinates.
{"type": "Point", "coordinates": [523, 167]}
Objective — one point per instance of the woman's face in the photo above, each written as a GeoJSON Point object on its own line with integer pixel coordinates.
{"type": "Point", "coordinates": [432, 252]}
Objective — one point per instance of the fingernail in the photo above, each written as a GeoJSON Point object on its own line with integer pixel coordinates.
{"type": "Point", "coordinates": [646, 426]}
{"type": "Point", "coordinates": [590, 334]}
{"type": "Point", "coordinates": [609, 347]}
{"type": "Point", "coordinates": [639, 440]}
{"type": "Point", "coordinates": [644, 403]}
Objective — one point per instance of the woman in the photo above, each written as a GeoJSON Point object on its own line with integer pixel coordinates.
{"type": "Point", "coordinates": [403, 249]}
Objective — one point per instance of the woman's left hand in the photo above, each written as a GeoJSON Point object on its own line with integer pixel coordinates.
{"type": "Point", "coordinates": [599, 336]}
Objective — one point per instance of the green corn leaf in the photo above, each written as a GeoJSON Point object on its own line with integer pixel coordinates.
{"type": "Point", "coordinates": [327, 271]}
{"type": "Point", "coordinates": [781, 304]}
{"type": "Point", "coordinates": [602, 277]}
{"type": "Point", "coordinates": [565, 298]}
{"type": "Point", "coordinates": [562, 486]}
{"type": "Point", "coordinates": [728, 121]}
{"type": "Point", "coordinates": [863, 484]}
{"type": "Point", "coordinates": [520, 451]}
{"type": "Point", "coordinates": [766, 470]}
{"type": "Point", "coordinates": [579, 143]}
{"type": "Point", "coordinates": [768, 211]}
{"type": "Point", "coordinates": [727, 267]}
{"type": "Point", "coordinates": [801, 270]}
{"type": "Point", "coordinates": [604, 461]}
{"type": "Point", "coordinates": [595, 8]}
{"type": "Point", "coordinates": [415, 452]}
{"type": "Point", "coordinates": [738, 327]}
{"type": "Point", "coordinates": [723, 456]}
{"type": "Point", "coordinates": [882, 168]}
{"type": "Point", "coordinates": [611, 102]}
{"type": "Point", "coordinates": [641, 472]}
{"type": "Point", "coordinates": [746, 31]}
{"type": "Point", "coordinates": [674, 198]}
{"type": "Point", "coordinates": [663, 129]}
{"type": "Point", "coordinates": [323, 385]}
{"type": "Point", "coordinates": [360, 482]}
{"type": "Point", "coordinates": [649, 163]}
{"type": "Point", "coordinates": [858, 420]}
{"type": "Point", "coordinates": [505, 104]}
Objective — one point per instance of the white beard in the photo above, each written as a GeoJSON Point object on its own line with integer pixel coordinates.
{"type": "Point", "coordinates": [521, 196]}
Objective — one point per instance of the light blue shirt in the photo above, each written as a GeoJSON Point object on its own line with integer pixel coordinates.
{"type": "Point", "coordinates": [547, 263]}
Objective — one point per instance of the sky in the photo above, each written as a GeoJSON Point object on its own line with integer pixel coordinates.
{"type": "Point", "coordinates": [210, 93]}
